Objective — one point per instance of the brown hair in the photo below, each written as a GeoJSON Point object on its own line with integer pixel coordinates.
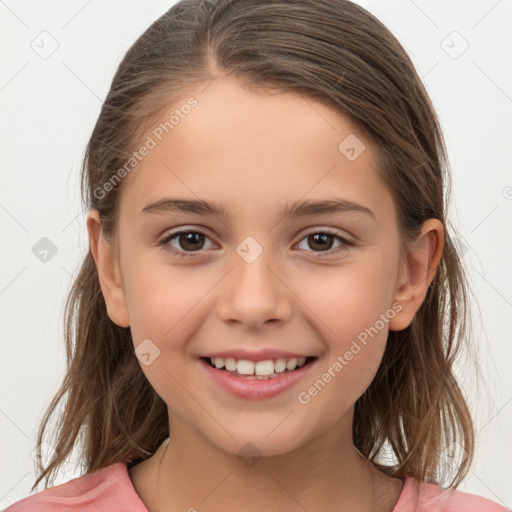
{"type": "Point", "coordinates": [332, 51]}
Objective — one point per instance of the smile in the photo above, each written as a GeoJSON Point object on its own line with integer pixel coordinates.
{"type": "Point", "coordinates": [267, 369]}
{"type": "Point", "coordinates": [256, 380]}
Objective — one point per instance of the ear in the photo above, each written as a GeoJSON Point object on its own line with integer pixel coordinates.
{"type": "Point", "coordinates": [417, 269]}
{"type": "Point", "coordinates": [107, 264]}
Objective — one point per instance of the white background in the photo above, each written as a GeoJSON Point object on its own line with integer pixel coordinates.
{"type": "Point", "coordinates": [49, 107]}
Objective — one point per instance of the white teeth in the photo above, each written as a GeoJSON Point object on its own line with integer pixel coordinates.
{"type": "Point", "coordinates": [245, 367]}
{"type": "Point", "coordinates": [230, 364]}
{"type": "Point", "coordinates": [280, 365]}
{"type": "Point", "coordinates": [218, 362]}
{"type": "Point", "coordinates": [264, 367]}
{"type": "Point", "coordinates": [291, 364]}
{"type": "Point", "coordinates": [260, 368]}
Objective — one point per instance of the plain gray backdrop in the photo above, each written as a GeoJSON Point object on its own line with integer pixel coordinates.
{"type": "Point", "coordinates": [58, 59]}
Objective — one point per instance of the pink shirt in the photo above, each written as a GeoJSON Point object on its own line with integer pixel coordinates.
{"type": "Point", "coordinates": [110, 489]}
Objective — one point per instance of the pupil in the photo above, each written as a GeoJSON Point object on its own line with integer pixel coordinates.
{"type": "Point", "coordinates": [322, 237]}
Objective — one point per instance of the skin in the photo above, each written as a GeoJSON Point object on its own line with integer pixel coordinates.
{"type": "Point", "coordinates": [254, 152]}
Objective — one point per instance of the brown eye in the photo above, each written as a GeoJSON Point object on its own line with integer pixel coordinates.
{"type": "Point", "coordinates": [187, 242]}
{"type": "Point", "coordinates": [191, 241]}
{"type": "Point", "coordinates": [323, 242]}
{"type": "Point", "coordinates": [320, 241]}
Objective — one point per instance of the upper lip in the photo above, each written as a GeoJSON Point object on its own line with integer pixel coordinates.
{"type": "Point", "coordinates": [260, 355]}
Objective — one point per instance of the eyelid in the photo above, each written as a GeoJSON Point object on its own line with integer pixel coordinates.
{"type": "Point", "coordinates": [331, 231]}
{"type": "Point", "coordinates": [185, 229]}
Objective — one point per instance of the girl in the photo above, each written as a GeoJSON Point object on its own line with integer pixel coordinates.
{"type": "Point", "coordinates": [300, 357]}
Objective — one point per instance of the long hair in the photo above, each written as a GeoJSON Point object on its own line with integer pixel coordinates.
{"type": "Point", "coordinates": [332, 51]}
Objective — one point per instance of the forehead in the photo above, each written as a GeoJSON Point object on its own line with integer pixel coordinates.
{"type": "Point", "coordinates": [254, 150]}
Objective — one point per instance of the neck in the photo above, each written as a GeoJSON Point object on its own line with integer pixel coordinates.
{"type": "Point", "coordinates": [327, 473]}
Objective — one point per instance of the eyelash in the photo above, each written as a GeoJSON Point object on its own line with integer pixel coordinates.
{"type": "Point", "coordinates": [183, 254]}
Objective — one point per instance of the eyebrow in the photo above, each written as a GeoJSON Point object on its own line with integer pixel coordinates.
{"type": "Point", "coordinates": [297, 209]}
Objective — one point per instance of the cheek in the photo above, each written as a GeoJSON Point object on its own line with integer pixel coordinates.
{"type": "Point", "coordinates": [352, 309]}
{"type": "Point", "coordinates": [349, 298]}
{"type": "Point", "coordinates": [164, 316]}
{"type": "Point", "coordinates": [163, 299]}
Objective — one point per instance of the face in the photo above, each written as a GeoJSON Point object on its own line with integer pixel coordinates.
{"type": "Point", "coordinates": [318, 283]}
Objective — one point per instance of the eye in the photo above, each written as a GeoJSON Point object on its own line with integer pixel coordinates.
{"type": "Point", "coordinates": [323, 240]}
{"type": "Point", "coordinates": [190, 241]}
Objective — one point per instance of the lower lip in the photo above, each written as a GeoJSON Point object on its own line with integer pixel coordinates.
{"type": "Point", "coordinates": [256, 389]}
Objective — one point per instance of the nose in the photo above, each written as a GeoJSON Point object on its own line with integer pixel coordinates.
{"type": "Point", "coordinates": [254, 293]}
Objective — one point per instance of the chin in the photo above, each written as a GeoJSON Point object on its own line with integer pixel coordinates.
{"type": "Point", "coordinates": [250, 446]}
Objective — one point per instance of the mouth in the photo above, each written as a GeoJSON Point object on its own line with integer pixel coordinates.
{"type": "Point", "coordinates": [248, 384]}
{"type": "Point", "coordinates": [264, 370]}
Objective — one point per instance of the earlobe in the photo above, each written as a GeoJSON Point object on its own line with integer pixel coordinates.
{"type": "Point", "coordinates": [417, 270]}
{"type": "Point", "coordinates": [107, 265]}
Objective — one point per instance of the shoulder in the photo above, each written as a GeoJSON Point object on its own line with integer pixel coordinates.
{"type": "Point", "coordinates": [107, 489]}
{"type": "Point", "coordinates": [431, 497]}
